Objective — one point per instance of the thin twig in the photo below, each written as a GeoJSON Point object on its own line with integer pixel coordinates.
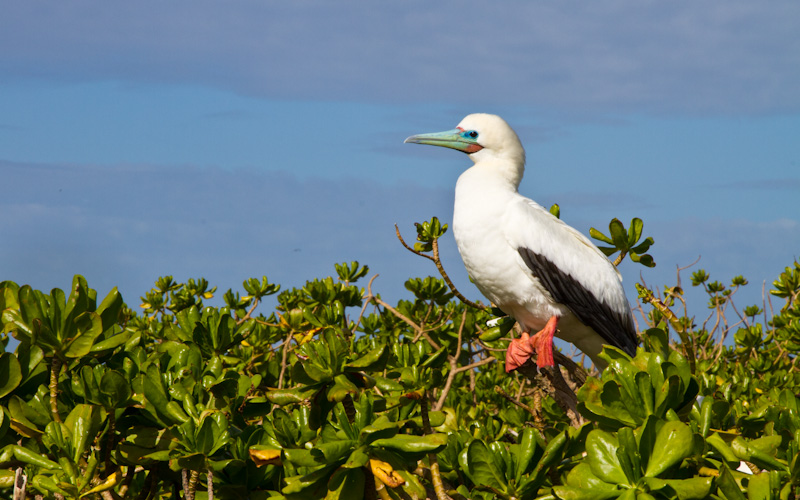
{"type": "Point", "coordinates": [55, 369]}
{"type": "Point", "coordinates": [437, 261]}
{"type": "Point", "coordinates": [436, 477]}
{"type": "Point", "coordinates": [249, 312]}
{"type": "Point", "coordinates": [510, 399]}
{"type": "Point", "coordinates": [366, 299]}
{"type": "Point", "coordinates": [453, 365]}
{"type": "Point", "coordinates": [284, 357]}
{"type": "Point", "coordinates": [476, 364]}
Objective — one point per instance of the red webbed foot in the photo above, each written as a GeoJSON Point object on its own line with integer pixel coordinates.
{"type": "Point", "coordinates": [519, 351]}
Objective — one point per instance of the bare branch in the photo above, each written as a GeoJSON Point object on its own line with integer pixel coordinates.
{"type": "Point", "coordinates": [437, 261]}
{"type": "Point", "coordinates": [537, 418]}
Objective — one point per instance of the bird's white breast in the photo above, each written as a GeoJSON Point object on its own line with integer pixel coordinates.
{"type": "Point", "coordinates": [481, 205]}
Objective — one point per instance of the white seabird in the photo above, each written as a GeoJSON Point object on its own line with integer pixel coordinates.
{"type": "Point", "coordinates": [548, 276]}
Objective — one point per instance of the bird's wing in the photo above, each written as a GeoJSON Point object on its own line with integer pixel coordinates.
{"type": "Point", "coordinates": [573, 270]}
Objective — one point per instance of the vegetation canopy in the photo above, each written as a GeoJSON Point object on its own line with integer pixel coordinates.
{"type": "Point", "coordinates": [338, 394]}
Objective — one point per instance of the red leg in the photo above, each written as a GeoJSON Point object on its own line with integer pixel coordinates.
{"type": "Point", "coordinates": [520, 350]}
{"type": "Point", "coordinates": [543, 343]}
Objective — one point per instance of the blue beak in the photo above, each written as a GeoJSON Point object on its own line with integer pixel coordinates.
{"type": "Point", "coordinates": [453, 139]}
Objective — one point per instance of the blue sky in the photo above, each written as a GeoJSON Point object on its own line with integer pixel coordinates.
{"type": "Point", "coordinates": [240, 139]}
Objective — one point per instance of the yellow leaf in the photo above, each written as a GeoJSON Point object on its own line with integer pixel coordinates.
{"type": "Point", "coordinates": [109, 483]}
{"type": "Point", "coordinates": [145, 306]}
{"type": "Point", "coordinates": [386, 473]}
{"type": "Point", "coordinates": [208, 295]}
{"type": "Point", "coordinates": [303, 338]}
{"type": "Point", "coordinates": [25, 430]}
{"type": "Point", "coordinates": [266, 456]}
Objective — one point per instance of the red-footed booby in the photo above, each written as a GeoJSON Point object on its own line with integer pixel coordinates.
{"type": "Point", "coordinates": [548, 276]}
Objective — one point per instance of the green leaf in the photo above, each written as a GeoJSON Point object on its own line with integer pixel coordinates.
{"type": "Point", "coordinates": [207, 435]}
{"type": "Point", "coordinates": [618, 234]}
{"type": "Point", "coordinates": [693, 488]}
{"type": "Point", "coordinates": [112, 342]}
{"type": "Point", "coordinates": [115, 388]}
{"type": "Point", "coordinates": [283, 397]}
{"type": "Point", "coordinates": [644, 259]}
{"type": "Point", "coordinates": [10, 373]}
{"type": "Point", "coordinates": [46, 483]}
{"type": "Point", "coordinates": [643, 246]}
{"type": "Point", "coordinates": [758, 488]}
{"type": "Point", "coordinates": [341, 388]}
{"type": "Point", "coordinates": [601, 449]}
{"type": "Point", "coordinates": [84, 423]}
{"type": "Point", "coordinates": [727, 484]}
{"type": "Point", "coordinates": [430, 443]}
{"type": "Point", "coordinates": [29, 457]}
{"type": "Point", "coordinates": [312, 485]}
{"type": "Point", "coordinates": [356, 459]}
{"type": "Point", "coordinates": [88, 326]}
{"type": "Point", "coordinates": [477, 462]}
{"type": "Point", "coordinates": [634, 231]}
{"type": "Point", "coordinates": [674, 442]}
{"type": "Point", "coordinates": [527, 449]}
{"type": "Point", "coordinates": [594, 233]}
{"type": "Point", "coordinates": [582, 484]}
{"type": "Point", "coordinates": [345, 484]}
{"type": "Point", "coordinates": [379, 429]}
{"type": "Point", "coordinates": [374, 360]}
{"type": "Point", "coordinates": [334, 451]}
{"type": "Point", "coordinates": [628, 455]}
{"type": "Point", "coordinates": [744, 451]}
{"type": "Point", "coordinates": [109, 308]}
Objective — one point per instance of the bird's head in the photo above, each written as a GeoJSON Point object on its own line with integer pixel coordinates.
{"type": "Point", "coordinates": [482, 137]}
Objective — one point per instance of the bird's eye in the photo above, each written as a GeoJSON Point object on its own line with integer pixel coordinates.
{"type": "Point", "coordinates": [470, 134]}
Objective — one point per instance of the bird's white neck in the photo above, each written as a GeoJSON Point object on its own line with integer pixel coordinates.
{"type": "Point", "coordinates": [498, 171]}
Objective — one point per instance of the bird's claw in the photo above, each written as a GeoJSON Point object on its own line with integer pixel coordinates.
{"type": "Point", "coordinates": [519, 351]}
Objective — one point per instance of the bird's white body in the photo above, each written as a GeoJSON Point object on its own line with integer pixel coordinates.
{"type": "Point", "coordinates": [490, 220]}
{"type": "Point", "coordinates": [524, 260]}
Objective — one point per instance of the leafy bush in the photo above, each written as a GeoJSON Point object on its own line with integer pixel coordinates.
{"type": "Point", "coordinates": [338, 394]}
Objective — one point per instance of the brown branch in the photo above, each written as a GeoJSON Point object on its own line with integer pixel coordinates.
{"type": "Point", "coordinates": [688, 345]}
{"type": "Point", "coordinates": [436, 477]}
{"type": "Point", "coordinates": [453, 365]}
{"type": "Point", "coordinates": [563, 394]}
{"type": "Point", "coordinates": [575, 371]}
{"type": "Point", "coordinates": [249, 312]}
{"type": "Point", "coordinates": [20, 484]}
{"type": "Point", "coordinates": [284, 358]}
{"type": "Point", "coordinates": [438, 263]}
{"type": "Point", "coordinates": [185, 484]}
{"type": "Point", "coordinates": [55, 369]}
{"type": "Point", "coordinates": [536, 416]}
{"type": "Point", "coordinates": [366, 300]}
{"type": "Point", "coordinates": [476, 364]}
